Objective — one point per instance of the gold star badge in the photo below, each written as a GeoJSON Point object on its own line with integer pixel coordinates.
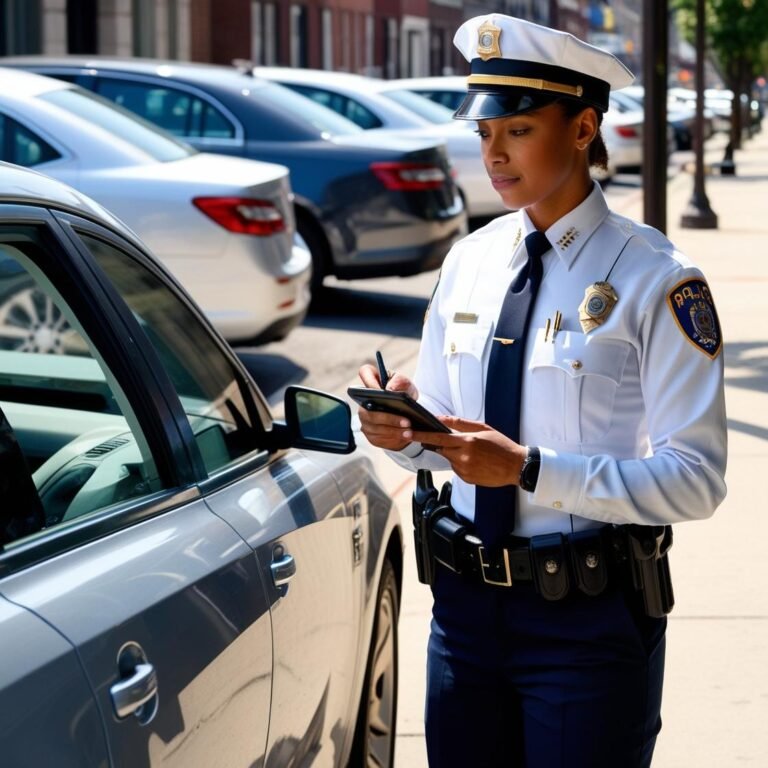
{"type": "Point", "coordinates": [488, 41]}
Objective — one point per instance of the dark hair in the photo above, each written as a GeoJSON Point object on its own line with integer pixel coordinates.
{"type": "Point", "coordinates": [598, 153]}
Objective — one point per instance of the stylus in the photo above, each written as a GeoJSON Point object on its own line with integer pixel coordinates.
{"type": "Point", "coordinates": [383, 376]}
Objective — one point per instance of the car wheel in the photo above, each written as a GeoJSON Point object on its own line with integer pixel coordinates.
{"type": "Point", "coordinates": [314, 237]}
{"type": "Point", "coordinates": [374, 744]}
{"type": "Point", "coordinates": [31, 322]}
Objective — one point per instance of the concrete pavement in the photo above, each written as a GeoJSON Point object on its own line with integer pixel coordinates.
{"type": "Point", "coordinates": [715, 708]}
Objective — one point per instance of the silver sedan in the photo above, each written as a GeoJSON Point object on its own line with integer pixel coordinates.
{"type": "Point", "coordinates": [223, 225]}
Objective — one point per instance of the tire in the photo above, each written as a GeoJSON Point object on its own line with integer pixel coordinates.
{"type": "Point", "coordinates": [374, 742]}
{"type": "Point", "coordinates": [314, 237]}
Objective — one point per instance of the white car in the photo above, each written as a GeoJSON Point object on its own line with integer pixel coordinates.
{"type": "Point", "coordinates": [223, 225]}
{"type": "Point", "coordinates": [375, 105]}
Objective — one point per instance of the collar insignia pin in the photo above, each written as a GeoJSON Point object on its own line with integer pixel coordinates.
{"type": "Point", "coordinates": [567, 239]}
{"type": "Point", "coordinates": [488, 41]}
{"type": "Point", "coordinates": [599, 300]}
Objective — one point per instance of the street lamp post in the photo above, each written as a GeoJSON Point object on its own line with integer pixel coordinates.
{"type": "Point", "coordinates": [698, 214]}
{"type": "Point", "coordinates": [655, 55]}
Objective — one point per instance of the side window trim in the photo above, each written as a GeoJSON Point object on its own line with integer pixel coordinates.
{"type": "Point", "coordinates": [97, 77]}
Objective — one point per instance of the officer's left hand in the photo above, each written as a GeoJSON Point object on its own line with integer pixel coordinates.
{"type": "Point", "coordinates": [478, 453]}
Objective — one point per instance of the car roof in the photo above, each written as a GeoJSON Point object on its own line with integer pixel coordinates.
{"type": "Point", "coordinates": [16, 82]}
{"type": "Point", "coordinates": [193, 71]}
{"type": "Point", "coordinates": [27, 187]}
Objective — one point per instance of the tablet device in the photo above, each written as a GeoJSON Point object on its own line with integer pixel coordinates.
{"type": "Point", "coordinates": [400, 404]}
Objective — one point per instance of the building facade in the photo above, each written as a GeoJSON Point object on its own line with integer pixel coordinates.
{"type": "Point", "coordinates": [385, 38]}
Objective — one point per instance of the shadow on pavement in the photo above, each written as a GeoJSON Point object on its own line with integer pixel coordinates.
{"type": "Point", "coordinates": [747, 368]}
{"type": "Point", "coordinates": [272, 373]}
{"type": "Point", "coordinates": [389, 313]}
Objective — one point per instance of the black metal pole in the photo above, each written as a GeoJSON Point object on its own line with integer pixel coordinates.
{"type": "Point", "coordinates": [698, 214]}
{"type": "Point", "coordinates": [655, 55]}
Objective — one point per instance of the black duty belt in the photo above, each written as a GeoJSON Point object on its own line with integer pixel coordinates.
{"type": "Point", "coordinates": [553, 563]}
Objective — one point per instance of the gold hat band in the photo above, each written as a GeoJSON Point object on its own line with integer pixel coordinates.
{"type": "Point", "coordinates": [525, 82]}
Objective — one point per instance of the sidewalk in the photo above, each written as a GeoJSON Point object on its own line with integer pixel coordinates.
{"type": "Point", "coordinates": [715, 709]}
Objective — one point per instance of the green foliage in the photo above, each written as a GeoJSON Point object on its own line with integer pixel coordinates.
{"type": "Point", "coordinates": [737, 32]}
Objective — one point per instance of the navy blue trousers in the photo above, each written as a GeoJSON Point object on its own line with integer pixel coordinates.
{"type": "Point", "coordinates": [514, 681]}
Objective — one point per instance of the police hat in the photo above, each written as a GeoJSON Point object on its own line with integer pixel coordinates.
{"type": "Point", "coordinates": [517, 66]}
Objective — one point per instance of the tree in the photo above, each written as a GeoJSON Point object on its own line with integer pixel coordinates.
{"type": "Point", "coordinates": [737, 32]}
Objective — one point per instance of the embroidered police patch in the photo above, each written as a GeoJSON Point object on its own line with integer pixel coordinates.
{"type": "Point", "coordinates": [694, 310]}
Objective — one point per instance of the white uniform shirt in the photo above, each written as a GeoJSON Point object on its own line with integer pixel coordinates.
{"type": "Point", "coordinates": [630, 417]}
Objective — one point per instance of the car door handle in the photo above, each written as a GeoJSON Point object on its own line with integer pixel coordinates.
{"type": "Point", "coordinates": [283, 570]}
{"type": "Point", "coordinates": [129, 695]}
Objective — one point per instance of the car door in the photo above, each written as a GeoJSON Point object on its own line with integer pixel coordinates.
{"type": "Point", "coordinates": [284, 505]}
{"type": "Point", "coordinates": [153, 600]}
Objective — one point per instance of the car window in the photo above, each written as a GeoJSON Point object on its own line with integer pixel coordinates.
{"type": "Point", "coordinates": [178, 112]}
{"type": "Point", "coordinates": [448, 99]}
{"type": "Point", "coordinates": [70, 445]}
{"type": "Point", "coordinates": [20, 146]}
{"type": "Point", "coordinates": [423, 107]}
{"type": "Point", "coordinates": [321, 119]}
{"type": "Point", "coordinates": [209, 388]}
{"type": "Point", "coordinates": [343, 105]}
{"type": "Point", "coordinates": [119, 122]}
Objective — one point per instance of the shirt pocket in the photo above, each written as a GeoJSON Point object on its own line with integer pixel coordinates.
{"type": "Point", "coordinates": [465, 352]}
{"type": "Point", "coordinates": [574, 383]}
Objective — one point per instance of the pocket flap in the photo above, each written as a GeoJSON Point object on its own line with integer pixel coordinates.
{"type": "Point", "coordinates": [579, 355]}
{"type": "Point", "coordinates": [467, 338]}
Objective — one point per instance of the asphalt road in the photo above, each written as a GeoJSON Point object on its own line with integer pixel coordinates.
{"type": "Point", "coordinates": [350, 320]}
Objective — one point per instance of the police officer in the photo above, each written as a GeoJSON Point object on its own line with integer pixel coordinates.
{"type": "Point", "coordinates": [576, 357]}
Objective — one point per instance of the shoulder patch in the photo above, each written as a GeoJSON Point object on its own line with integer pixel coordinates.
{"type": "Point", "coordinates": [694, 311]}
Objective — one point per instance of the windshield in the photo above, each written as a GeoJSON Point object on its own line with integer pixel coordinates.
{"type": "Point", "coordinates": [423, 107]}
{"type": "Point", "coordinates": [322, 119]}
{"type": "Point", "coordinates": [119, 122]}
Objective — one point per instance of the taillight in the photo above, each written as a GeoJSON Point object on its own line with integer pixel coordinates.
{"type": "Point", "coordinates": [627, 131]}
{"type": "Point", "coordinates": [243, 215]}
{"type": "Point", "coordinates": [409, 177]}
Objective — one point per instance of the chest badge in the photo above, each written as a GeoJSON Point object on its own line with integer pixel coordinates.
{"type": "Point", "coordinates": [599, 300]}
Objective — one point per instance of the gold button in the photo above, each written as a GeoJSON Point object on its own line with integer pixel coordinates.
{"type": "Point", "coordinates": [552, 567]}
{"type": "Point", "coordinates": [558, 505]}
{"type": "Point", "coordinates": [453, 347]}
{"type": "Point", "coordinates": [576, 365]}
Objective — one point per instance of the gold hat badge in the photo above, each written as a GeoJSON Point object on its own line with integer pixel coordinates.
{"type": "Point", "coordinates": [599, 299]}
{"type": "Point", "coordinates": [488, 41]}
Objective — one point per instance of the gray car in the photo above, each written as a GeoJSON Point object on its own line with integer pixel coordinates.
{"type": "Point", "coordinates": [184, 581]}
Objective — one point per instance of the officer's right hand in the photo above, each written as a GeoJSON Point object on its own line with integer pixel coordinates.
{"type": "Point", "coordinates": [385, 430]}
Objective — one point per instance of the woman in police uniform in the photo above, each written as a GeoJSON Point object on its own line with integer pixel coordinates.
{"type": "Point", "coordinates": [576, 357]}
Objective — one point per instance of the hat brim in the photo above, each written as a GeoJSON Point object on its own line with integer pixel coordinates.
{"type": "Point", "coordinates": [488, 104]}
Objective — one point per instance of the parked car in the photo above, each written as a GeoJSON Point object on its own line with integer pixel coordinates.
{"type": "Point", "coordinates": [680, 115]}
{"type": "Point", "coordinates": [372, 105]}
{"type": "Point", "coordinates": [183, 580]}
{"type": "Point", "coordinates": [224, 226]}
{"type": "Point", "coordinates": [366, 206]}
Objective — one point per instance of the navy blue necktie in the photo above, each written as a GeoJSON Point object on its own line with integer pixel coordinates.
{"type": "Point", "coordinates": [495, 507]}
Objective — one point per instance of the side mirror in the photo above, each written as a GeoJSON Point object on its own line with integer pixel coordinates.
{"type": "Point", "coordinates": [315, 420]}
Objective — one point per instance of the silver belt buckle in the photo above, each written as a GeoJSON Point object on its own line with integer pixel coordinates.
{"type": "Point", "coordinates": [484, 566]}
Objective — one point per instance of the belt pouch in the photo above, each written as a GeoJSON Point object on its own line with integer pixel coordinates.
{"type": "Point", "coordinates": [447, 538]}
{"type": "Point", "coordinates": [589, 561]}
{"type": "Point", "coordinates": [550, 565]}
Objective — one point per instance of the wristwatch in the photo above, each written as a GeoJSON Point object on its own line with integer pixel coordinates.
{"type": "Point", "coordinates": [529, 472]}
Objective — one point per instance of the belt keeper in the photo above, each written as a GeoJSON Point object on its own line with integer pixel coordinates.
{"type": "Point", "coordinates": [550, 566]}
